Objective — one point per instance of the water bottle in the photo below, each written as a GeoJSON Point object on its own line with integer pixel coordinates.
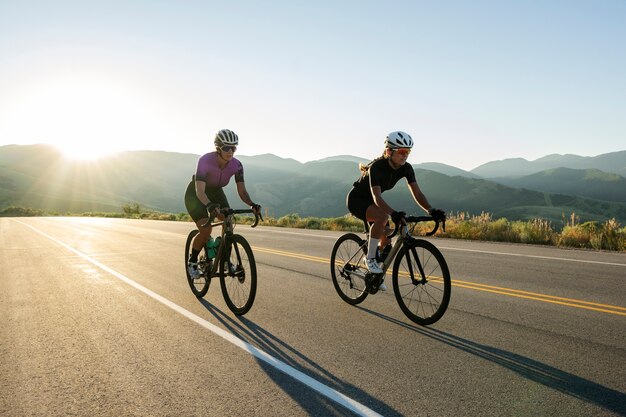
{"type": "Point", "coordinates": [210, 248]}
{"type": "Point", "coordinates": [216, 244]}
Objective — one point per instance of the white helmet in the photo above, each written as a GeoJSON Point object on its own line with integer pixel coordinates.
{"type": "Point", "coordinates": [398, 139]}
{"type": "Point", "coordinates": [226, 137]}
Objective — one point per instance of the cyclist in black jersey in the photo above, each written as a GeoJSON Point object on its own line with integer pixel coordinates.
{"type": "Point", "coordinates": [365, 201]}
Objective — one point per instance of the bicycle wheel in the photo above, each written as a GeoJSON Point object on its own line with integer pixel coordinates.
{"type": "Point", "coordinates": [199, 286]}
{"type": "Point", "coordinates": [421, 282]}
{"type": "Point", "coordinates": [238, 275]}
{"type": "Point", "coordinates": [348, 269]}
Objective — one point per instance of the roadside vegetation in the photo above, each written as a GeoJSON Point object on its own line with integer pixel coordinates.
{"type": "Point", "coordinates": [572, 233]}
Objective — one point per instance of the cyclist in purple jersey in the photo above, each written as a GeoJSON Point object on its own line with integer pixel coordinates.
{"type": "Point", "coordinates": [365, 201]}
{"type": "Point", "coordinates": [214, 171]}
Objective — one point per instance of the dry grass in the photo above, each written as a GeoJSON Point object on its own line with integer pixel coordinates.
{"type": "Point", "coordinates": [609, 235]}
{"type": "Point", "coordinates": [591, 235]}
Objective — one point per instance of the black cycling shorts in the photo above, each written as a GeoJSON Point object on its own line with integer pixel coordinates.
{"type": "Point", "coordinates": [357, 204]}
{"type": "Point", "coordinates": [194, 206]}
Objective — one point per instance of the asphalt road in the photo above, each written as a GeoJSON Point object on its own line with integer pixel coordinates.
{"type": "Point", "coordinates": [96, 318]}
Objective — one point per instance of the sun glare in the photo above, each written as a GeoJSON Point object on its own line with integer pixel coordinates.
{"type": "Point", "coordinates": [84, 117]}
{"type": "Point", "coordinates": [83, 152]}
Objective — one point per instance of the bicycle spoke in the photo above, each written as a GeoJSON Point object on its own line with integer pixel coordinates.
{"type": "Point", "coordinates": [238, 275]}
{"type": "Point", "coordinates": [348, 269]}
{"type": "Point", "coordinates": [423, 296]}
{"type": "Point", "coordinates": [200, 285]}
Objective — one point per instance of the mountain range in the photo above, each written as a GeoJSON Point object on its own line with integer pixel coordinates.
{"type": "Point", "coordinates": [610, 162]}
{"type": "Point", "coordinates": [552, 187]}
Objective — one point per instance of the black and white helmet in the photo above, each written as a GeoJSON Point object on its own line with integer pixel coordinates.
{"type": "Point", "coordinates": [398, 139]}
{"type": "Point", "coordinates": [226, 137]}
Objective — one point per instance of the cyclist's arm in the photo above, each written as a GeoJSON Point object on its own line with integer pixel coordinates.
{"type": "Point", "coordinates": [419, 196]}
{"type": "Point", "coordinates": [243, 193]}
{"type": "Point", "coordinates": [200, 185]}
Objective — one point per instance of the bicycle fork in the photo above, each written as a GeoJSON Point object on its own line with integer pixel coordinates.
{"type": "Point", "coordinates": [422, 274]}
{"type": "Point", "coordinates": [224, 254]}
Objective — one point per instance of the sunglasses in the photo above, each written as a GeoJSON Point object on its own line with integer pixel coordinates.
{"type": "Point", "coordinates": [228, 148]}
{"type": "Point", "coordinates": [403, 151]}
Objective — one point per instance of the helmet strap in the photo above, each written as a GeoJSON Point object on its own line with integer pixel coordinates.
{"type": "Point", "coordinates": [219, 154]}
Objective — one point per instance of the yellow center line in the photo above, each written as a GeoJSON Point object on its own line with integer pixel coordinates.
{"type": "Point", "coordinates": [534, 294]}
{"type": "Point", "coordinates": [550, 299]}
{"type": "Point", "coordinates": [291, 254]}
{"type": "Point", "coordinates": [570, 302]}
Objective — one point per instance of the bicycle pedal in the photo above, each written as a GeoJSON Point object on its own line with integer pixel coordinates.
{"type": "Point", "coordinates": [372, 282]}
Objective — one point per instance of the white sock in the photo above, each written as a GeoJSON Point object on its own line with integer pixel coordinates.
{"type": "Point", "coordinates": [371, 248]}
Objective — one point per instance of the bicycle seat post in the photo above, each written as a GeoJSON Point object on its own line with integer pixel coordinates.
{"type": "Point", "coordinates": [366, 229]}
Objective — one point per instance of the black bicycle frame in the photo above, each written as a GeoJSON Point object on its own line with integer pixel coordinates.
{"type": "Point", "coordinates": [408, 244]}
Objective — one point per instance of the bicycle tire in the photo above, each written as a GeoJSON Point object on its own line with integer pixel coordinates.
{"type": "Point", "coordinates": [199, 286]}
{"type": "Point", "coordinates": [238, 276]}
{"type": "Point", "coordinates": [347, 268]}
{"type": "Point", "coordinates": [423, 299]}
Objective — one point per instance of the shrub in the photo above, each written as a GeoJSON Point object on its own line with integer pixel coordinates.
{"type": "Point", "coordinates": [577, 235]}
{"type": "Point", "coordinates": [21, 212]}
{"type": "Point", "coordinates": [346, 223]}
{"type": "Point", "coordinates": [537, 231]}
{"type": "Point", "coordinates": [183, 217]}
{"type": "Point", "coordinates": [313, 223]}
{"type": "Point", "coordinates": [131, 208]}
{"type": "Point", "coordinates": [290, 220]}
{"type": "Point", "coordinates": [609, 236]}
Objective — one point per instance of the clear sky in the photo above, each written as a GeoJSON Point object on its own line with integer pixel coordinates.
{"type": "Point", "coordinates": [471, 81]}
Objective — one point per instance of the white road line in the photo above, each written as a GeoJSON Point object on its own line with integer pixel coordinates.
{"type": "Point", "coordinates": [294, 233]}
{"type": "Point", "coordinates": [469, 250]}
{"type": "Point", "coordinates": [328, 392]}
{"type": "Point", "coordinates": [534, 256]}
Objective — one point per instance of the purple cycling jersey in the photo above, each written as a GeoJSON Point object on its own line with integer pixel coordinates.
{"type": "Point", "coordinates": [210, 172]}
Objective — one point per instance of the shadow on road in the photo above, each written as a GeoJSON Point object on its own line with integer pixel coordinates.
{"type": "Point", "coordinates": [314, 404]}
{"type": "Point", "coordinates": [531, 369]}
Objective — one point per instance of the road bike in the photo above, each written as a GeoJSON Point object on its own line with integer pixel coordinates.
{"type": "Point", "coordinates": [233, 262]}
{"type": "Point", "coordinates": [420, 275]}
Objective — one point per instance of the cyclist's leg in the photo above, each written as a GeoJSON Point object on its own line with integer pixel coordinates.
{"type": "Point", "coordinates": [198, 213]}
{"type": "Point", "coordinates": [216, 195]}
{"type": "Point", "coordinates": [198, 282]}
{"type": "Point", "coordinates": [384, 240]}
{"type": "Point", "coordinates": [201, 238]}
{"type": "Point", "coordinates": [378, 217]}
{"type": "Point", "coordinates": [363, 208]}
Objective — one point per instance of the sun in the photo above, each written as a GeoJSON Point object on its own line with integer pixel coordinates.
{"type": "Point", "coordinates": [85, 117]}
{"type": "Point", "coordinates": [84, 152]}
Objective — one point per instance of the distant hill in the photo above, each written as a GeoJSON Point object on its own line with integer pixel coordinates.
{"type": "Point", "coordinates": [39, 177]}
{"type": "Point", "coordinates": [348, 158]}
{"type": "Point", "coordinates": [269, 161]}
{"type": "Point", "coordinates": [446, 169]}
{"type": "Point", "coordinates": [614, 162]}
{"type": "Point", "coordinates": [590, 183]}
{"type": "Point", "coordinates": [479, 195]}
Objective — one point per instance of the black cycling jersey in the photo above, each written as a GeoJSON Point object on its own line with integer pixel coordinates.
{"type": "Point", "coordinates": [380, 172]}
